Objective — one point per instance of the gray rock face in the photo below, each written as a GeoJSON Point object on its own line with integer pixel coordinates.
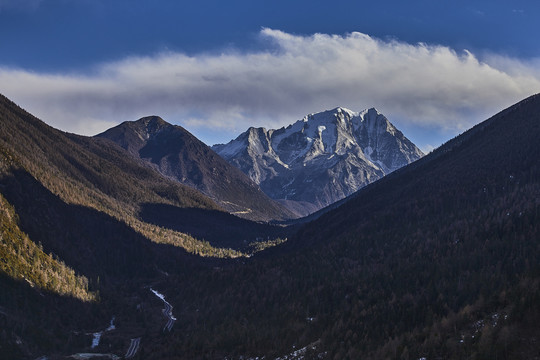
{"type": "Point", "coordinates": [322, 158]}
{"type": "Point", "coordinates": [177, 154]}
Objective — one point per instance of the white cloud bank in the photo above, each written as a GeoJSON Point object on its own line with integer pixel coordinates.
{"type": "Point", "coordinates": [419, 85]}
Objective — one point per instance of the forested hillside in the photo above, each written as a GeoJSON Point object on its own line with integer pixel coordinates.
{"type": "Point", "coordinates": [437, 260]}
{"type": "Point", "coordinates": [97, 174]}
{"type": "Point", "coordinates": [22, 259]}
{"type": "Point", "coordinates": [80, 236]}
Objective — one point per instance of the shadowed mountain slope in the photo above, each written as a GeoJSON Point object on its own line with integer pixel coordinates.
{"type": "Point", "coordinates": [176, 153]}
{"type": "Point", "coordinates": [466, 169]}
{"type": "Point", "coordinates": [439, 259]}
{"type": "Point", "coordinates": [74, 222]}
{"type": "Point", "coordinates": [98, 174]}
{"type": "Point", "coordinates": [436, 260]}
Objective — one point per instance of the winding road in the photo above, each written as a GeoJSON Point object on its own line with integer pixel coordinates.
{"type": "Point", "coordinates": [167, 311]}
{"type": "Point", "coordinates": [133, 348]}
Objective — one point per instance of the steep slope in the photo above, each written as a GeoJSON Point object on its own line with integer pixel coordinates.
{"type": "Point", "coordinates": [85, 227]}
{"type": "Point", "coordinates": [453, 235]}
{"type": "Point", "coordinates": [92, 173]}
{"type": "Point", "coordinates": [97, 174]}
{"type": "Point", "coordinates": [437, 260]}
{"type": "Point", "coordinates": [70, 227]}
{"type": "Point", "coordinates": [322, 158]}
{"type": "Point", "coordinates": [180, 155]}
{"type": "Point", "coordinates": [22, 259]}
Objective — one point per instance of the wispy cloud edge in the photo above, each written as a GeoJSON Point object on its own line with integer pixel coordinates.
{"type": "Point", "coordinates": [421, 85]}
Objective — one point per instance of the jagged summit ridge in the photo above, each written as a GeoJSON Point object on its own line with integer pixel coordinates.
{"type": "Point", "coordinates": [323, 157]}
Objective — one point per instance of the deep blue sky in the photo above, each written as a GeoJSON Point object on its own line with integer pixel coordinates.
{"type": "Point", "coordinates": [80, 37]}
{"type": "Point", "coordinates": [72, 34]}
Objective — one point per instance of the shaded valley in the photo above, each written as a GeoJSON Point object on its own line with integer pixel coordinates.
{"type": "Point", "coordinates": [215, 227]}
{"type": "Point", "coordinates": [438, 259]}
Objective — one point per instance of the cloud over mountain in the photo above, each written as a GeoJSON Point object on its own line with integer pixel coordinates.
{"type": "Point", "coordinates": [414, 84]}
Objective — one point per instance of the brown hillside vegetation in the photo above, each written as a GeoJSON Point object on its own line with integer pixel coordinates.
{"type": "Point", "coordinates": [23, 259]}
{"type": "Point", "coordinates": [97, 174]}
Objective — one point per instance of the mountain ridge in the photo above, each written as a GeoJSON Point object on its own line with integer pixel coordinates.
{"type": "Point", "coordinates": [436, 260]}
{"type": "Point", "coordinates": [439, 259]}
{"type": "Point", "coordinates": [82, 229]}
{"type": "Point", "coordinates": [96, 174]}
{"type": "Point", "coordinates": [322, 158]}
{"type": "Point", "coordinates": [177, 154]}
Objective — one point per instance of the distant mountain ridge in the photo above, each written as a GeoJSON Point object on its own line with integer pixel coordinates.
{"type": "Point", "coordinates": [322, 158]}
{"type": "Point", "coordinates": [176, 153]}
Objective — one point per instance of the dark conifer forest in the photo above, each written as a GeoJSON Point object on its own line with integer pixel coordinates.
{"type": "Point", "coordinates": [438, 260]}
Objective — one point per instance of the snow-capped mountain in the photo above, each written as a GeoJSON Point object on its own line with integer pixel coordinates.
{"type": "Point", "coordinates": [322, 158]}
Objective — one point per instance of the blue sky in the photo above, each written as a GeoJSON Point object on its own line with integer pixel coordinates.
{"type": "Point", "coordinates": [434, 68]}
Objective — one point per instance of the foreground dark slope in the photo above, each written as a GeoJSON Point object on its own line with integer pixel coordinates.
{"type": "Point", "coordinates": [178, 154]}
{"type": "Point", "coordinates": [70, 224]}
{"type": "Point", "coordinates": [489, 161]}
{"type": "Point", "coordinates": [81, 218]}
{"type": "Point", "coordinates": [437, 260]}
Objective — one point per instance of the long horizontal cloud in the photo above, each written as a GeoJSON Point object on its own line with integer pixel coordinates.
{"type": "Point", "coordinates": [421, 85]}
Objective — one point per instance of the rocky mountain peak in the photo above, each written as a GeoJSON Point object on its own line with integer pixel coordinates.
{"type": "Point", "coordinates": [177, 154]}
{"type": "Point", "coordinates": [150, 121]}
{"type": "Point", "coordinates": [149, 126]}
{"type": "Point", "coordinates": [323, 157]}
